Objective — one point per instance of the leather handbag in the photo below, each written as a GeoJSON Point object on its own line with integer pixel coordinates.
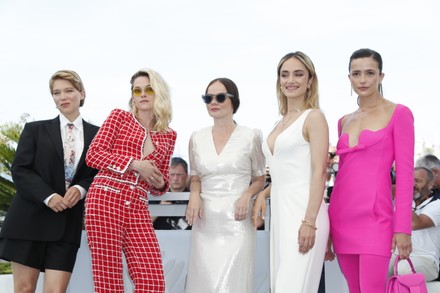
{"type": "Point", "coordinates": [408, 283]}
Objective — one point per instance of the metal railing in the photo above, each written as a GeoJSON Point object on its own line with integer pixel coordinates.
{"type": "Point", "coordinates": [178, 210]}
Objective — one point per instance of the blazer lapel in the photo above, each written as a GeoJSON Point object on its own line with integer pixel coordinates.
{"type": "Point", "coordinates": [53, 129]}
{"type": "Point", "coordinates": [88, 136]}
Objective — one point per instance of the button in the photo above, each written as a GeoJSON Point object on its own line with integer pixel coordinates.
{"type": "Point", "coordinates": [105, 188]}
{"type": "Point", "coordinates": [127, 203]}
{"type": "Point", "coordinates": [131, 187]}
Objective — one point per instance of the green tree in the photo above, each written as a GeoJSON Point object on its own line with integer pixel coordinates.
{"type": "Point", "coordinates": [9, 135]}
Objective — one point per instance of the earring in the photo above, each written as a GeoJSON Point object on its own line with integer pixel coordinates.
{"type": "Point", "coordinates": [380, 90]}
{"type": "Point", "coordinates": [351, 92]}
{"type": "Point", "coordinates": [358, 102]}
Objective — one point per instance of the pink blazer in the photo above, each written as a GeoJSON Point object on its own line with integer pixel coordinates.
{"type": "Point", "coordinates": [363, 215]}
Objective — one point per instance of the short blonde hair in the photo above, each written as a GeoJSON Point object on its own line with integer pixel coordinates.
{"type": "Point", "coordinates": [312, 96]}
{"type": "Point", "coordinates": [163, 111]}
{"type": "Point", "coordinates": [73, 78]}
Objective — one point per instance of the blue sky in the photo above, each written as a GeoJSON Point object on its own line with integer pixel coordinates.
{"type": "Point", "coordinates": [192, 42]}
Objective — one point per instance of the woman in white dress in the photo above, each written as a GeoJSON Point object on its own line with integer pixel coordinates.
{"type": "Point", "coordinates": [227, 170]}
{"type": "Point", "coordinates": [296, 153]}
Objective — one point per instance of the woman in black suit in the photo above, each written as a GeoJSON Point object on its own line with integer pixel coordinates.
{"type": "Point", "coordinates": [42, 230]}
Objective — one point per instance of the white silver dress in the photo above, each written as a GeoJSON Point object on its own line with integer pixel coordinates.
{"type": "Point", "coordinates": [222, 249]}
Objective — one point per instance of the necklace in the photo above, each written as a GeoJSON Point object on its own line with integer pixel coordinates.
{"type": "Point", "coordinates": [285, 121]}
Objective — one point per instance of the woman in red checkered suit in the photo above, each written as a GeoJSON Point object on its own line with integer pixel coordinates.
{"type": "Point", "coordinates": [132, 152]}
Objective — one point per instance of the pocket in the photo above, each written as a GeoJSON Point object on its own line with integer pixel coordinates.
{"type": "Point", "coordinates": [106, 188]}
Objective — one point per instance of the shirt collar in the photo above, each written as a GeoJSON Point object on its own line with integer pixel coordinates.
{"type": "Point", "coordinates": [424, 203]}
{"type": "Point", "coordinates": [77, 122]}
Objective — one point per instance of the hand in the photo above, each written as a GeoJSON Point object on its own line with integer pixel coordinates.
{"type": "Point", "coordinates": [157, 182]}
{"type": "Point", "coordinates": [329, 253]}
{"type": "Point", "coordinates": [242, 207]}
{"type": "Point", "coordinates": [73, 196]}
{"type": "Point", "coordinates": [306, 238]}
{"type": "Point", "coordinates": [58, 203]}
{"type": "Point", "coordinates": [150, 173]}
{"type": "Point", "coordinates": [259, 210]}
{"type": "Point", "coordinates": [402, 242]}
{"type": "Point", "coordinates": [194, 209]}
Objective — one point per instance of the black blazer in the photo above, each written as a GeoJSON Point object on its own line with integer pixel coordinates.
{"type": "Point", "coordinates": [38, 171]}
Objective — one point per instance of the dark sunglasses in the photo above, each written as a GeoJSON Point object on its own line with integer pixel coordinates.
{"type": "Point", "coordinates": [137, 91]}
{"type": "Point", "coordinates": [332, 155]}
{"type": "Point", "coordinates": [221, 98]}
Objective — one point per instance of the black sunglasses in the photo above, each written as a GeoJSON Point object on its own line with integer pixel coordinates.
{"type": "Point", "coordinates": [332, 155]}
{"type": "Point", "coordinates": [221, 98]}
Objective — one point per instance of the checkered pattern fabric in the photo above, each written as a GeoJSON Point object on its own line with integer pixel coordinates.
{"type": "Point", "coordinates": [118, 220]}
{"type": "Point", "coordinates": [117, 217]}
{"type": "Point", "coordinates": [119, 141]}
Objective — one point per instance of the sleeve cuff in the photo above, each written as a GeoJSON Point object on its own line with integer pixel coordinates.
{"type": "Point", "coordinates": [46, 201]}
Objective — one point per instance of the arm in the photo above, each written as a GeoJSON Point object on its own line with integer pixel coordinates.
{"type": "Point", "coordinates": [242, 204]}
{"type": "Point", "coordinates": [194, 208]}
{"type": "Point", "coordinates": [403, 137]}
{"type": "Point", "coordinates": [165, 143]}
{"type": "Point", "coordinates": [259, 209]}
{"type": "Point", "coordinates": [421, 221]}
{"type": "Point", "coordinates": [25, 175]}
{"type": "Point", "coordinates": [258, 176]}
{"type": "Point", "coordinates": [100, 154]}
{"type": "Point", "coordinates": [316, 132]}
{"type": "Point", "coordinates": [429, 216]}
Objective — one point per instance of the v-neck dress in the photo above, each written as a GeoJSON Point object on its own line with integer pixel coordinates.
{"type": "Point", "coordinates": [290, 169]}
{"type": "Point", "coordinates": [362, 213]}
{"type": "Point", "coordinates": [223, 249]}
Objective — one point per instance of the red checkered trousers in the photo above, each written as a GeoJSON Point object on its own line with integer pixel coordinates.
{"type": "Point", "coordinates": [117, 217]}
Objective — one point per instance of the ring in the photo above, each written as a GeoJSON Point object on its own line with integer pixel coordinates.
{"type": "Point", "coordinates": [151, 178]}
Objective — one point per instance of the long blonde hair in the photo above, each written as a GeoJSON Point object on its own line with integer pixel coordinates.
{"type": "Point", "coordinates": [162, 108]}
{"type": "Point", "coordinates": [312, 96]}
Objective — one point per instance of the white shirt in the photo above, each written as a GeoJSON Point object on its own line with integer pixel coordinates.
{"type": "Point", "coordinates": [426, 241]}
{"type": "Point", "coordinates": [78, 133]}
{"type": "Point", "coordinates": [79, 146]}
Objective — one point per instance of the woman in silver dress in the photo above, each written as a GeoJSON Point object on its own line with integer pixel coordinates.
{"type": "Point", "coordinates": [227, 170]}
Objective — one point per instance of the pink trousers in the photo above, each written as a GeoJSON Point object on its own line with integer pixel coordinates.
{"type": "Point", "coordinates": [365, 273]}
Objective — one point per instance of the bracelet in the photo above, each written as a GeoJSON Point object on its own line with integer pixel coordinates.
{"type": "Point", "coordinates": [308, 224]}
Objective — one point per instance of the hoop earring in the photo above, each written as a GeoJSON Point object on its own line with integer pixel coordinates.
{"type": "Point", "coordinates": [380, 90]}
{"type": "Point", "coordinates": [358, 101]}
{"type": "Point", "coordinates": [351, 92]}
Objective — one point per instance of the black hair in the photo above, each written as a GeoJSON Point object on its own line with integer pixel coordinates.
{"type": "Point", "coordinates": [366, 53]}
{"type": "Point", "coordinates": [176, 161]}
{"type": "Point", "coordinates": [231, 88]}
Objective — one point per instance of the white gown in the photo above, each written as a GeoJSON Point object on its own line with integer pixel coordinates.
{"type": "Point", "coordinates": [290, 169]}
{"type": "Point", "coordinates": [222, 249]}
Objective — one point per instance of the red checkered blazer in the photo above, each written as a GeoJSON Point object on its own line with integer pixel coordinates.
{"type": "Point", "coordinates": [119, 141]}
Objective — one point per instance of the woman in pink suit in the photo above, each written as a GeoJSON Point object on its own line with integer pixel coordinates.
{"type": "Point", "coordinates": [366, 225]}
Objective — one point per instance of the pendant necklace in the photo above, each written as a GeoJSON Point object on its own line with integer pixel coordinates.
{"type": "Point", "coordinates": [285, 121]}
